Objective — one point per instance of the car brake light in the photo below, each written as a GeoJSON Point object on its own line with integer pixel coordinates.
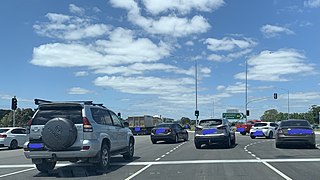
{"type": "Point", "coordinates": [85, 147]}
{"type": "Point", "coordinates": [168, 130]}
{"type": "Point", "coordinates": [280, 131]}
{"type": "Point", "coordinates": [87, 127]}
{"type": "Point", "coordinates": [222, 127]}
{"type": "Point", "coordinates": [3, 135]}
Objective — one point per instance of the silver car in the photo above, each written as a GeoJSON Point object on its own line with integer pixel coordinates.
{"type": "Point", "coordinates": [212, 131]}
{"type": "Point", "coordinates": [295, 132]}
{"type": "Point", "coordinates": [73, 131]}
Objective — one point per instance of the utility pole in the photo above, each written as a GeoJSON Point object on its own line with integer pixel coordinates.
{"type": "Point", "coordinates": [246, 96]}
{"type": "Point", "coordinates": [196, 84]}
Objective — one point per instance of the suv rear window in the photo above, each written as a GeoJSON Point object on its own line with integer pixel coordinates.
{"type": "Point", "coordinates": [210, 122]}
{"type": "Point", "coordinates": [44, 114]}
{"type": "Point", "coordinates": [260, 124]}
{"type": "Point", "coordinates": [295, 123]}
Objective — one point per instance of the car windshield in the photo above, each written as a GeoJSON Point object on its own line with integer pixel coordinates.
{"type": "Point", "coordinates": [210, 122]}
{"type": "Point", "coordinates": [260, 124]}
{"type": "Point", "coordinates": [295, 123]}
{"type": "Point", "coordinates": [3, 130]}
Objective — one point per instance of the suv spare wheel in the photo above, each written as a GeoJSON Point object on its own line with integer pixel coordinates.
{"type": "Point", "coordinates": [59, 133]}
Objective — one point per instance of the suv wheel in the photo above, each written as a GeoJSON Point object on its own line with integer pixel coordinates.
{"type": "Point", "coordinates": [186, 137]}
{"type": "Point", "coordinates": [176, 139]}
{"type": "Point", "coordinates": [228, 142]}
{"type": "Point", "coordinates": [130, 152]}
{"type": "Point", "coordinates": [46, 166]}
{"type": "Point", "coordinates": [104, 158]}
{"type": "Point", "coordinates": [13, 144]}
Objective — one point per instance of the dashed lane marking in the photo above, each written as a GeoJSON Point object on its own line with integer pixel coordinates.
{"type": "Point", "coordinates": [17, 172]}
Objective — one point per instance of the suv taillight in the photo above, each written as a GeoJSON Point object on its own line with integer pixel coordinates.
{"type": "Point", "coordinates": [86, 125]}
{"type": "Point", "coordinates": [222, 127]}
{"type": "Point", "coordinates": [168, 130]}
{"type": "Point", "coordinates": [280, 131]}
{"type": "Point", "coordinates": [3, 135]}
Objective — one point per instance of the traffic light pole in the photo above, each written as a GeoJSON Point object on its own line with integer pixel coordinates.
{"type": "Point", "coordinates": [14, 118]}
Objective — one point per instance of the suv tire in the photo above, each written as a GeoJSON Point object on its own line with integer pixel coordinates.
{"type": "Point", "coordinates": [59, 133]}
{"type": "Point", "coordinates": [104, 158]}
{"type": "Point", "coordinates": [228, 142]}
{"type": "Point", "coordinates": [130, 151]}
{"type": "Point", "coordinates": [153, 141]}
{"type": "Point", "coordinates": [270, 136]}
{"type": "Point", "coordinates": [186, 137]}
{"type": "Point", "coordinates": [46, 166]}
{"type": "Point", "coordinates": [198, 145]}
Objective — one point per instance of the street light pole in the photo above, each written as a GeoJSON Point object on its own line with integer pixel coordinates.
{"type": "Point", "coordinates": [288, 92]}
{"type": "Point", "coordinates": [246, 96]}
{"type": "Point", "coordinates": [196, 84]}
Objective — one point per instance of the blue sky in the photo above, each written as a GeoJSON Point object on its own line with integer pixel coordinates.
{"type": "Point", "coordinates": [138, 57]}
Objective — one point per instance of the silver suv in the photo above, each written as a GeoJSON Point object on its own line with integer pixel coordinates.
{"type": "Point", "coordinates": [76, 131]}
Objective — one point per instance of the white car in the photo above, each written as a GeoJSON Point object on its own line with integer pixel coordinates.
{"type": "Point", "coordinates": [263, 129]}
{"type": "Point", "coordinates": [12, 137]}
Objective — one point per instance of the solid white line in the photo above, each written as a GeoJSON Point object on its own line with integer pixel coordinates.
{"type": "Point", "coordinates": [277, 171]}
{"type": "Point", "coordinates": [138, 172]}
{"type": "Point", "coordinates": [17, 172]}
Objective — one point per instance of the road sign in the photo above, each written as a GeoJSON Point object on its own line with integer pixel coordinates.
{"type": "Point", "coordinates": [233, 115]}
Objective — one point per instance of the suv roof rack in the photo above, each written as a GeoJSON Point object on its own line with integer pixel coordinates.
{"type": "Point", "coordinates": [41, 101]}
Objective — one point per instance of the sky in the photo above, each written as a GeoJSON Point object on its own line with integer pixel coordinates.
{"type": "Point", "coordinates": [139, 57]}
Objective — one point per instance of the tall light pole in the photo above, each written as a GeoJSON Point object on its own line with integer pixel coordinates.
{"type": "Point", "coordinates": [246, 96]}
{"type": "Point", "coordinates": [196, 84]}
{"type": "Point", "coordinates": [286, 90]}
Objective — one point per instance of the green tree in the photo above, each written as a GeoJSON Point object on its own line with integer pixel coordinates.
{"type": "Point", "coordinates": [269, 115]}
{"type": "Point", "coordinates": [22, 117]}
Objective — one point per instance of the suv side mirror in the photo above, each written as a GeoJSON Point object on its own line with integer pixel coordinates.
{"type": "Point", "coordinates": [126, 124]}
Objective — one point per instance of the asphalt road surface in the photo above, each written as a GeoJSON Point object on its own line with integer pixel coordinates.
{"type": "Point", "coordinates": [248, 159]}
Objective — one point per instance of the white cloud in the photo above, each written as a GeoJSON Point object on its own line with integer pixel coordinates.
{"type": "Point", "coordinates": [233, 48]}
{"type": "Point", "coordinates": [102, 53]}
{"type": "Point", "coordinates": [182, 6]}
{"type": "Point", "coordinates": [275, 66]}
{"type": "Point", "coordinates": [70, 27]}
{"type": "Point", "coordinates": [312, 3]}
{"type": "Point", "coordinates": [238, 87]}
{"type": "Point", "coordinates": [270, 31]}
{"type": "Point", "coordinates": [146, 85]}
{"type": "Point", "coordinates": [189, 43]}
{"type": "Point", "coordinates": [75, 9]}
{"type": "Point", "coordinates": [165, 25]}
{"type": "Point", "coordinates": [81, 73]}
{"type": "Point", "coordinates": [304, 96]}
{"type": "Point", "coordinates": [220, 87]}
{"type": "Point", "coordinates": [78, 90]}
{"type": "Point", "coordinates": [229, 44]}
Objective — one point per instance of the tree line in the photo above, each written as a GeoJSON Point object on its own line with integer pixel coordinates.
{"type": "Point", "coordinates": [312, 115]}
{"type": "Point", "coordinates": [22, 117]}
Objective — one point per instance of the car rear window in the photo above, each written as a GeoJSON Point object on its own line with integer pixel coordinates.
{"type": "Point", "coordinates": [295, 123]}
{"type": "Point", "coordinates": [260, 124]}
{"type": "Point", "coordinates": [165, 125]}
{"type": "Point", "coordinates": [45, 114]}
{"type": "Point", "coordinates": [210, 122]}
{"type": "Point", "coordinates": [3, 130]}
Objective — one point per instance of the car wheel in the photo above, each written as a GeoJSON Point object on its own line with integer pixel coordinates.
{"type": "Point", "coordinates": [153, 141]}
{"type": "Point", "coordinates": [228, 142]}
{"type": "Point", "coordinates": [186, 137]}
{"type": "Point", "coordinates": [129, 154]}
{"type": "Point", "coordinates": [233, 142]}
{"type": "Point", "coordinates": [176, 139]}
{"type": "Point", "coordinates": [252, 136]}
{"type": "Point", "coordinates": [13, 144]}
{"type": "Point", "coordinates": [46, 166]}
{"type": "Point", "coordinates": [313, 146]}
{"type": "Point", "coordinates": [243, 133]}
{"type": "Point", "coordinates": [270, 135]}
{"type": "Point", "coordinates": [278, 145]}
{"type": "Point", "coordinates": [198, 145]}
{"type": "Point", "coordinates": [104, 158]}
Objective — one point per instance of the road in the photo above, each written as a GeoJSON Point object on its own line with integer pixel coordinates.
{"type": "Point", "coordinates": [248, 159]}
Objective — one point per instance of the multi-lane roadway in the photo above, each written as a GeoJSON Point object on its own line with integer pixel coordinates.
{"type": "Point", "coordinates": [248, 159]}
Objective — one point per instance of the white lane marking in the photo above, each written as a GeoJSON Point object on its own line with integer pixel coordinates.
{"type": "Point", "coordinates": [138, 172]}
{"type": "Point", "coordinates": [277, 171]}
{"type": "Point", "coordinates": [163, 156]}
{"type": "Point", "coordinates": [171, 150]}
{"type": "Point", "coordinates": [253, 155]}
{"type": "Point", "coordinates": [17, 172]}
{"type": "Point", "coordinates": [167, 153]}
{"type": "Point", "coordinates": [157, 159]}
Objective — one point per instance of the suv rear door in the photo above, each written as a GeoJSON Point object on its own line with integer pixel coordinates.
{"type": "Point", "coordinates": [47, 112]}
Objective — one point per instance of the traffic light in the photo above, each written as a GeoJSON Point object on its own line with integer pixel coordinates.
{"type": "Point", "coordinates": [14, 103]}
{"type": "Point", "coordinates": [248, 113]}
{"type": "Point", "coordinates": [275, 96]}
{"type": "Point", "coordinates": [119, 115]}
{"type": "Point", "coordinates": [196, 113]}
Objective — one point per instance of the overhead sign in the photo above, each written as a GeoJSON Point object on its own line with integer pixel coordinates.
{"type": "Point", "coordinates": [233, 115]}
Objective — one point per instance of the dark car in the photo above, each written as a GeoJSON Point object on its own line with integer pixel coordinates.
{"type": "Point", "coordinates": [295, 132]}
{"type": "Point", "coordinates": [169, 132]}
{"type": "Point", "coordinates": [212, 131]}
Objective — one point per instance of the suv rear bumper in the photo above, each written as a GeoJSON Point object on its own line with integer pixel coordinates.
{"type": "Point", "coordinates": [60, 155]}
